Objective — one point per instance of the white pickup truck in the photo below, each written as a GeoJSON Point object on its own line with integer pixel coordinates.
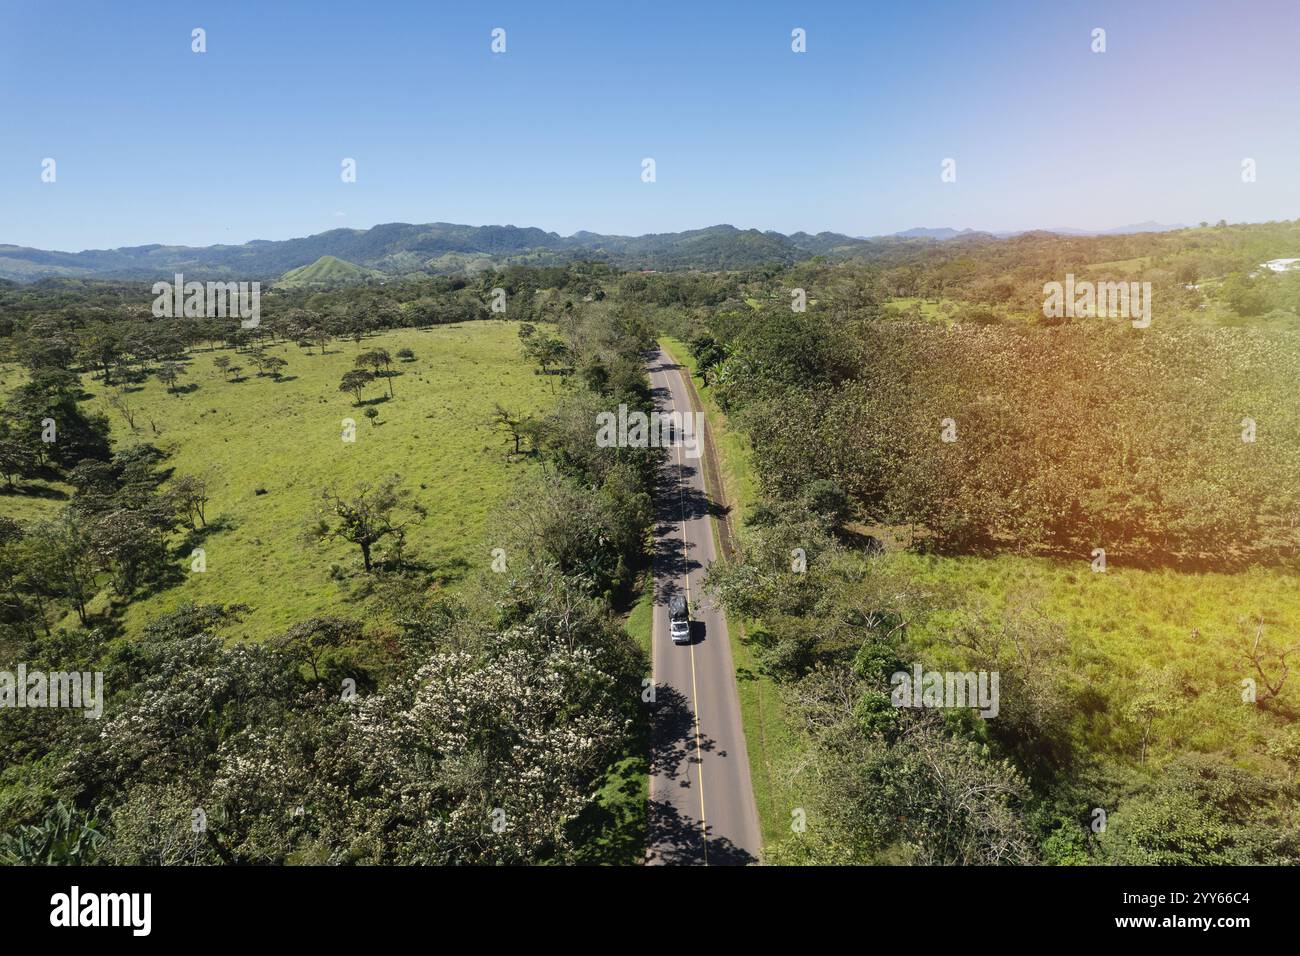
{"type": "Point", "coordinates": [679, 620]}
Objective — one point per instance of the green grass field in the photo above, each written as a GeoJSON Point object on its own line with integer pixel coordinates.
{"type": "Point", "coordinates": [1126, 624]}
{"type": "Point", "coordinates": [929, 308]}
{"type": "Point", "coordinates": [1121, 266]}
{"type": "Point", "coordinates": [269, 448]}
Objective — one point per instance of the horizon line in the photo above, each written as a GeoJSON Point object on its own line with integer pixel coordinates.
{"type": "Point", "coordinates": [1056, 230]}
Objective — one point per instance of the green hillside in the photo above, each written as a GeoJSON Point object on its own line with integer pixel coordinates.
{"type": "Point", "coordinates": [325, 271]}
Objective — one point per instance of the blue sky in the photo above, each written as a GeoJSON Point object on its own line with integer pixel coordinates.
{"type": "Point", "coordinates": [154, 143]}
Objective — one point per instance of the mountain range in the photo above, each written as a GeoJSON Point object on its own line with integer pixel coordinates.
{"type": "Point", "coordinates": [399, 248]}
{"type": "Point", "coordinates": [944, 233]}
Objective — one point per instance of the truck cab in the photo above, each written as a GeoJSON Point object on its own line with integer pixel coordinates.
{"type": "Point", "coordinates": [679, 620]}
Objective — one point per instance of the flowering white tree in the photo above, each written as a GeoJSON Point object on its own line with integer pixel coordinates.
{"type": "Point", "coordinates": [475, 758]}
{"type": "Point", "coordinates": [493, 758]}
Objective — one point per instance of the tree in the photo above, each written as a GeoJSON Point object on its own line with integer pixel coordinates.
{"type": "Point", "coordinates": [515, 427]}
{"type": "Point", "coordinates": [130, 526]}
{"type": "Point", "coordinates": [369, 517]}
{"type": "Point", "coordinates": [168, 373]}
{"type": "Point", "coordinates": [13, 571]}
{"type": "Point", "coordinates": [1269, 663]}
{"type": "Point", "coordinates": [67, 560]}
{"type": "Point", "coordinates": [380, 363]}
{"type": "Point", "coordinates": [372, 414]}
{"type": "Point", "coordinates": [708, 354]}
{"type": "Point", "coordinates": [1199, 810]}
{"type": "Point", "coordinates": [128, 547]}
{"type": "Point", "coordinates": [1243, 295]}
{"type": "Point", "coordinates": [375, 359]}
{"type": "Point", "coordinates": [318, 334]}
{"type": "Point", "coordinates": [120, 405]}
{"type": "Point", "coordinates": [222, 362]}
{"type": "Point", "coordinates": [470, 713]}
{"type": "Point", "coordinates": [916, 791]}
{"type": "Point", "coordinates": [189, 495]}
{"type": "Point", "coordinates": [313, 640]}
{"type": "Point", "coordinates": [1156, 697]}
{"type": "Point", "coordinates": [154, 826]}
{"type": "Point", "coordinates": [355, 381]}
{"type": "Point", "coordinates": [355, 327]}
{"type": "Point", "coordinates": [100, 348]}
{"type": "Point", "coordinates": [546, 351]}
{"type": "Point", "coordinates": [52, 396]}
{"type": "Point", "coordinates": [16, 459]}
{"type": "Point", "coordinates": [274, 366]}
{"type": "Point", "coordinates": [94, 478]}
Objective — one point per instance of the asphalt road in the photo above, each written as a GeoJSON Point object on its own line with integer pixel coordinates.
{"type": "Point", "coordinates": [702, 807]}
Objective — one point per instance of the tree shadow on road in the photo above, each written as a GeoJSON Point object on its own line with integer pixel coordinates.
{"type": "Point", "coordinates": [677, 840]}
{"type": "Point", "coordinates": [675, 837]}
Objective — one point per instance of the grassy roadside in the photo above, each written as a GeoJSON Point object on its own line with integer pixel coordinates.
{"type": "Point", "coordinates": [770, 736]}
{"type": "Point", "coordinates": [640, 620]}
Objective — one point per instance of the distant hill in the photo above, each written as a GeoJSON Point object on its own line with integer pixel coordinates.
{"type": "Point", "coordinates": [1118, 230]}
{"type": "Point", "coordinates": [399, 248]}
{"type": "Point", "coordinates": [325, 271]}
{"type": "Point", "coordinates": [944, 233]}
{"type": "Point", "coordinates": [940, 233]}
